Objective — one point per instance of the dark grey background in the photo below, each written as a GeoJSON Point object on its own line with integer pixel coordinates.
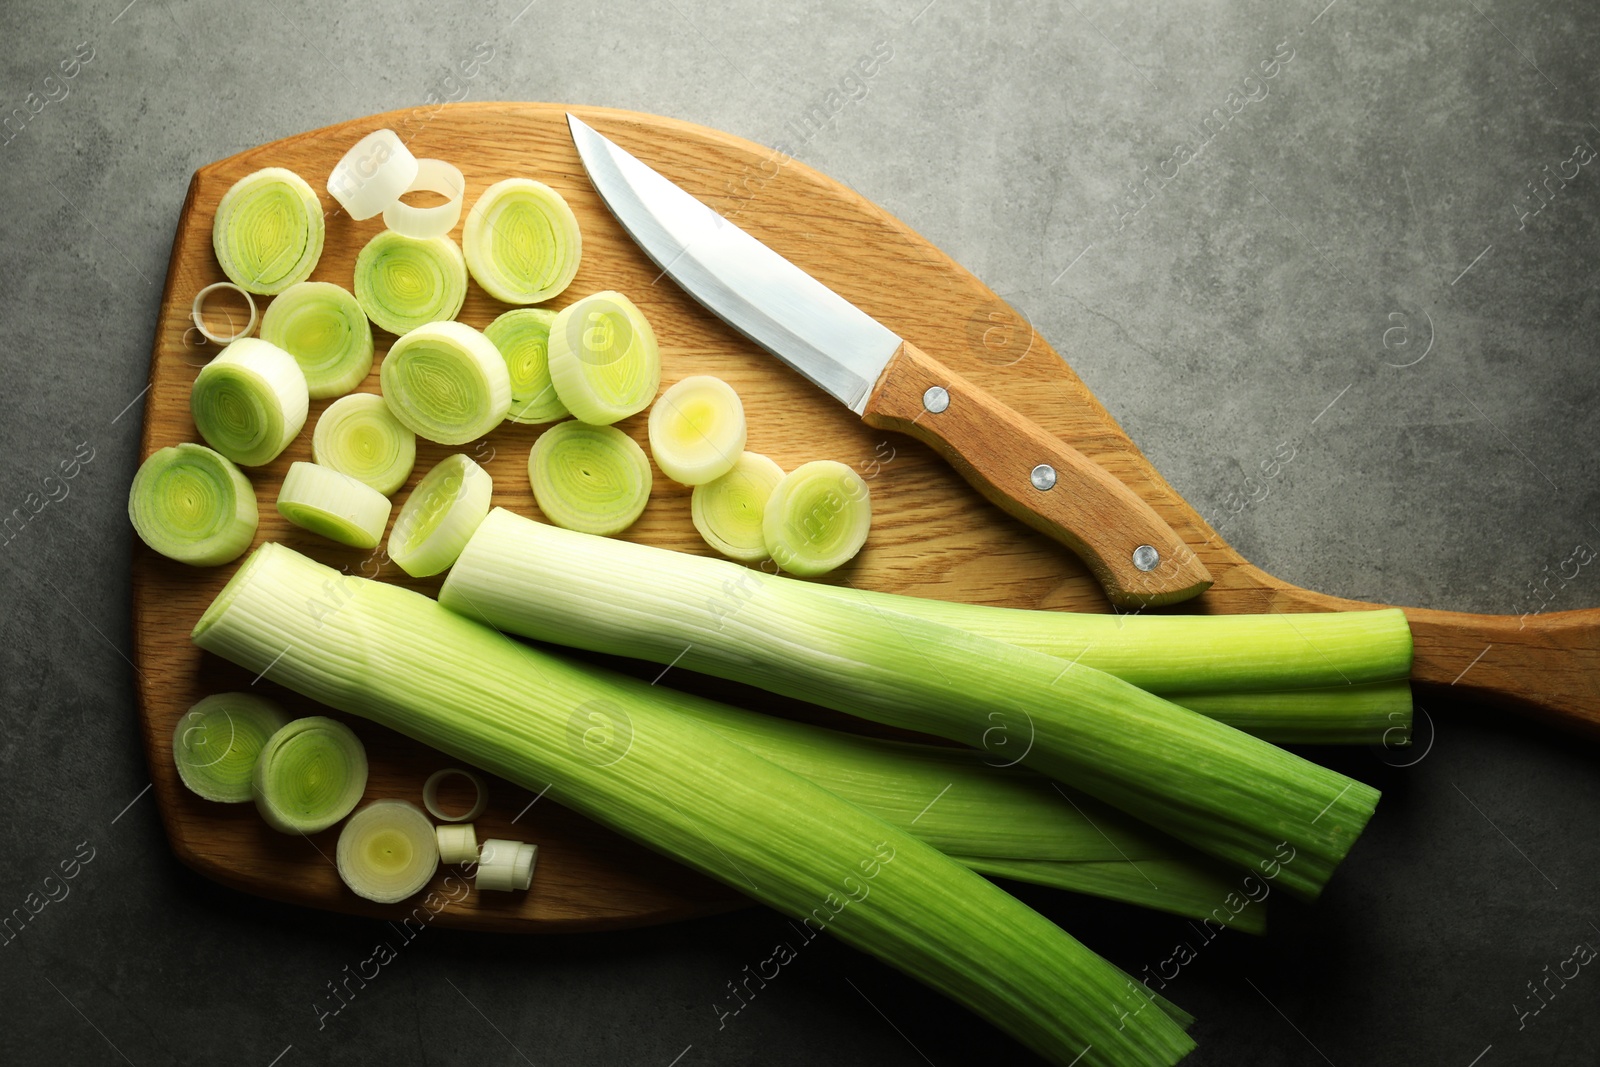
{"type": "Point", "coordinates": [1374, 187]}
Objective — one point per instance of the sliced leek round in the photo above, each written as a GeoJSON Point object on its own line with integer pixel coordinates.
{"type": "Point", "coordinates": [387, 851]}
{"type": "Point", "coordinates": [403, 283]}
{"type": "Point", "coordinates": [430, 795]}
{"type": "Point", "coordinates": [193, 505]}
{"type": "Point", "coordinates": [373, 174]}
{"type": "Point", "coordinates": [310, 774]}
{"type": "Point", "coordinates": [457, 842]}
{"type": "Point", "coordinates": [521, 241]}
{"type": "Point", "coordinates": [604, 359]}
{"type": "Point", "coordinates": [333, 504]}
{"type": "Point", "coordinates": [250, 401]}
{"type": "Point", "coordinates": [697, 430]}
{"type": "Point", "coordinates": [505, 865]}
{"type": "Point", "coordinates": [594, 479]}
{"type": "Point", "coordinates": [817, 518]}
{"type": "Point", "coordinates": [323, 327]}
{"type": "Point", "coordinates": [728, 511]}
{"type": "Point", "coordinates": [425, 223]}
{"type": "Point", "coordinates": [446, 382]}
{"type": "Point", "coordinates": [358, 435]}
{"type": "Point", "coordinates": [217, 741]}
{"type": "Point", "coordinates": [197, 313]}
{"type": "Point", "coordinates": [440, 515]}
{"type": "Point", "coordinates": [268, 231]}
{"type": "Point", "coordinates": [523, 337]}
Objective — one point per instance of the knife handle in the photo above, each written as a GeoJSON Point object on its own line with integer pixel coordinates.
{"type": "Point", "coordinates": [1038, 478]}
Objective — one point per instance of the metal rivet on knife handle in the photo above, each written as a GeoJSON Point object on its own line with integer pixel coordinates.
{"type": "Point", "coordinates": [1146, 558]}
{"type": "Point", "coordinates": [1043, 477]}
{"type": "Point", "coordinates": [936, 399]}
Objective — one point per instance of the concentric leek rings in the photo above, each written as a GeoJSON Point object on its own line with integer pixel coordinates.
{"type": "Point", "coordinates": [728, 510]}
{"type": "Point", "coordinates": [268, 231]}
{"type": "Point", "coordinates": [522, 242]}
{"type": "Point", "coordinates": [403, 283]}
{"type": "Point", "coordinates": [604, 359]}
{"type": "Point", "coordinates": [250, 401]}
{"type": "Point", "coordinates": [817, 518]}
{"type": "Point", "coordinates": [310, 774]}
{"type": "Point", "coordinates": [335, 505]}
{"type": "Point", "coordinates": [358, 435]}
{"type": "Point", "coordinates": [697, 430]}
{"type": "Point", "coordinates": [217, 741]}
{"type": "Point", "coordinates": [193, 505]}
{"type": "Point", "coordinates": [594, 479]}
{"type": "Point", "coordinates": [440, 515]}
{"type": "Point", "coordinates": [323, 327]}
{"type": "Point", "coordinates": [446, 382]}
{"type": "Point", "coordinates": [523, 337]}
{"type": "Point", "coordinates": [387, 851]}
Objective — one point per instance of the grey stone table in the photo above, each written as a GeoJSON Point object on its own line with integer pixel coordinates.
{"type": "Point", "coordinates": [1383, 252]}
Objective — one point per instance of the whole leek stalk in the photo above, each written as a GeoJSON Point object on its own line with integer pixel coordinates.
{"type": "Point", "coordinates": [1212, 787]}
{"type": "Point", "coordinates": [391, 655]}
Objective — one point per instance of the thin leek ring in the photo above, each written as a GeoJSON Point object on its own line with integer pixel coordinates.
{"type": "Point", "coordinates": [216, 743]}
{"type": "Point", "coordinates": [523, 337]}
{"type": "Point", "coordinates": [197, 313]}
{"type": "Point", "coordinates": [310, 774]}
{"type": "Point", "coordinates": [268, 231]}
{"type": "Point", "coordinates": [250, 401]}
{"type": "Point", "coordinates": [604, 359]}
{"type": "Point", "coordinates": [372, 174]}
{"type": "Point", "coordinates": [193, 505]}
{"type": "Point", "coordinates": [333, 504]}
{"type": "Point", "coordinates": [403, 283]}
{"type": "Point", "coordinates": [446, 382]}
{"type": "Point", "coordinates": [728, 511]}
{"type": "Point", "coordinates": [594, 479]}
{"type": "Point", "coordinates": [430, 795]}
{"type": "Point", "coordinates": [425, 223]}
{"type": "Point", "coordinates": [522, 242]}
{"type": "Point", "coordinates": [817, 518]}
{"type": "Point", "coordinates": [387, 851]}
{"type": "Point", "coordinates": [323, 327]}
{"type": "Point", "coordinates": [358, 435]}
{"type": "Point", "coordinates": [440, 516]}
{"type": "Point", "coordinates": [697, 430]}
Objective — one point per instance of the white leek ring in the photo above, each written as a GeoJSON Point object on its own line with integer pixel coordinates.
{"type": "Point", "coordinates": [817, 518]}
{"type": "Point", "coordinates": [604, 359]}
{"type": "Point", "coordinates": [523, 337]}
{"type": "Point", "coordinates": [594, 479]}
{"type": "Point", "coordinates": [403, 283]}
{"type": "Point", "coordinates": [217, 741]}
{"type": "Point", "coordinates": [358, 435]}
{"type": "Point", "coordinates": [372, 174]}
{"type": "Point", "coordinates": [697, 430]}
{"type": "Point", "coordinates": [440, 516]}
{"type": "Point", "coordinates": [333, 504]}
{"type": "Point", "coordinates": [197, 313]}
{"type": "Point", "coordinates": [522, 242]}
{"type": "Point", "coordinates": [387, 851]}
{"type": "Point", "coordinates": [193, 505]}
{"type": "Point", "coordinates": [505, 865]}
{"type": "Point", "coordinates": [250, 401]}
{"type": "Point", "coordinates": [430, 795]}
{"type": "Point", "coordinates": [323, 327]}
{"type": "Point", "coordinates": [457, 843]}
{"type": "Point", "coordinates": [426, 223]}
{"type": "Point", "coordinates": [309, 775]}
{"type": "Point", "coordinates": [268, 231]}
{"type": "Point", "coordinates": [728, 511]}
{"type": "Point", "coordinates": [446, 382]}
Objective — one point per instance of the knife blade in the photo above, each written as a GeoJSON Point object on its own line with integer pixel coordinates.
{"type": "Point", "coordinates": [891, 384]}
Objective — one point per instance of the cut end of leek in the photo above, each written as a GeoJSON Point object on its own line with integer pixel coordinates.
{"type": "Point", "coordinates": [522, 242]}
{"type": "Point", "coordinates": [440, 515]}
{"type": "Point", "coordinates": [446, 382]}
{"type": "Point", "coordinates": [335, 505]}
{"type": "Point", "coordinates": [728, 510]}
{"type": "Point", "coordinates": [697, 430]}
{"type": "Point", "coordinates": [817, 518]}
{"type": "Point", "coordinates": [193, 505]}
{"type": "Point", "coordinates": [403, 283]}
{"type": "Point", "coordinates": [523, 337]}
{"type": "Point", "coordinates": [268, 231]}
{"type": "Point", "coordinates": [604, 359]}
{"type": "Point", "coordinates": [323, 327]}
{"type": "Point", "coordinates": [387, 851]}
{"type": "Point", "coordinates": [358, 435]}
{"type": "Point", "coordinates": [310, 774]}
{"type": "Point", "coordinates": [217, 741]}
{"type": "Point", "coordinates": [594, 479]}
{"type": "Point", "coordinates": [250, 401]}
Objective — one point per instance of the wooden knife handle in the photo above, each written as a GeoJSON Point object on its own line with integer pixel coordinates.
{"type": "Point", "coordinates": [1038, 478]}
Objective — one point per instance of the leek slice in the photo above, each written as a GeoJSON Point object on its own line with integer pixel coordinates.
{"type": "Point", "coordinates": [523, 337]}
{"type": "Point", "coordinates": [430, 795]}
{"type": "Point", "coordinates": [604, 359]}
{"type": "Point", "coordinates": [590, 478]}
{"type": "Point", "coordinates": [358, 435]}
{"type": "Point", "coordinates": [399, 659]}
{"type": "Point", "coordinates": [728, 510]}
{"type": "Point", "coordinates": [426, 223]}
{"type": "Point", "coordinates": [522, 242]}
{"type": "Point", "coordinates": [217, 741]}
{"type": "Point", "coordinates": [446, 382]}
{"type": "Point", "coordinates": [697, 430]}
{"type": "Point", "coordinates": [506, 865]}
{"type": "Point", "coordinates": [250, 401]}
{"type": "Point", "coordinates": [197, 313]}
{"type": "Point", "coordinates": [817, 518]}
{"type": "Point", "coordinates": [193, 505]}
{"type": "Point", "coordinates": [311, 773]}
{"type": "Point", "coordinates": [268, 231]}
{"type": "Point", "coordinates": [458, 843]}
{"type": "Point", "coordinates": [387, 851]}
{"type": "Point", "coordinates": [1219, 790]}
{"type": "Point", "coordinates": [333, 504]}
{"type": "Point", "coordinates": [440, 515]}
{"type": "Point", "coordinates": [403, 283]}
{"type": "Point", "coordinates": [372, 174]}
{"type": "Point", "coordinates": [323, 327]}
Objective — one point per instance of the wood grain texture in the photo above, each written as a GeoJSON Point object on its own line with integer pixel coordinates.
{"type": "Point", "coordinates": [997, 450]}
{"type": "Point", "coordinates": [933, 534]}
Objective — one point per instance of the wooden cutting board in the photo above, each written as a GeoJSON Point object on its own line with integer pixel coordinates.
{"type": "Point", "coordinates": [932, 535]}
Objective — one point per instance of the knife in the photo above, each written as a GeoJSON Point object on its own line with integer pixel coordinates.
{"type": "Point", "coordinates": [893, 385]}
